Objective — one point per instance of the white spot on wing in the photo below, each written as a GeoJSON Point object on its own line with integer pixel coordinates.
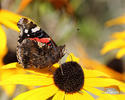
{"type": "Point", "coordinates": [28, 35]}
{"type": "Point", "coordinates": [35, 29]}
{"type": "Point", "coordinates": [26, 30]}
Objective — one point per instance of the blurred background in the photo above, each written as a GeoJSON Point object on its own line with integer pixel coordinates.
{"type": "Point", "coordinates": [79, 24]}
{"type": "Point", "coordinates": [71, 22]}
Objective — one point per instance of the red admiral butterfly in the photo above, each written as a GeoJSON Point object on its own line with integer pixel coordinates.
{"type": "Point", "coordinates": [35, 47]}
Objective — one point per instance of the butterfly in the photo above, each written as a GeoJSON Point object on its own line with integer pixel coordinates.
{"type": "Point", "coordinates": [35, 48]}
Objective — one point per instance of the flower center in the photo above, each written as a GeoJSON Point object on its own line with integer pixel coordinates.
{"type": "Point", "coordinates": [71, 78]}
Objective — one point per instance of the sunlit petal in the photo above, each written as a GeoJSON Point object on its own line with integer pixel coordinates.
{"type": "Point", "coordinates": [59, 95]}
{"type": "Point", "coordinates": [71, 57]}
{"type": "Point", "coordinates": [9, 16]}
{"type": "Point", "coordinates": [3, 41]}
{"type": "Point", "coordinates": [56, 65]}
{"type": "Point", "coordinates": [120, 53]}
{"type": "Point", "coordinates": [25, 79]}
{"type": "Point", "coordinates": [106, 97]}
{"type": "Point", "coordinates": [9, 89]}
{"type": "Point", "coordinates": [113, 44]}
{"type": "Point", "coordinates": [79, 96]}
{"type": "Point", "coordinates": [9, 66]}
{"type": "Point", "coordinates": [5, 74]}
{"type": "Point", "coordinates": [10, 24]}
{"type": "Point", "coordinates": [116, 21]}
{"type": "Point", "coordinates": [101, 82]}
{"type": "Point", "coordinates": [94, 90]}
{"type": "Point", "coordinates": [15, 65]}
{"type": "Point", "coordinates": [94, 73]}
{"type": "Point", "coordinates": [38, 94]}
{"type": "Point", "coordinates": [118, 35]}
{"type": "Point", "coordinates": [119, 96]}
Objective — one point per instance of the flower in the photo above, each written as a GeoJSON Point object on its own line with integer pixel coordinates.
{"type": "Point", "coordinates": [116, 21]}
{"type": "Point", "coordinates": [10, 88]}
{"type": "Point", "coordinates": [90, 63]}
{"type": "Point", "coordinates": [3, 48]}
{"type": "Point", "coordinates": [118, 39]}
{"type": "Point", "coordinates": [9, 20]}
{"type": "Point", "coordinates": [70, 81]}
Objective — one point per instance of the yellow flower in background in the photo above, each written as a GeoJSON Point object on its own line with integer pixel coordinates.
{"type": "Point", "coordinates": [9, 20]}
{"type": "Point", "coordinates": [116, 21]}
{"type": "Point", "coordinates": [90, 63]}
{"type": "Point", "coordinates": [10, 88]}
{"type": "Point", "coordinates": [3, 47]}
{"type": "Point", "coordinates": [118, 39]}
{"type": "Point", "coordinates": [71, 83]}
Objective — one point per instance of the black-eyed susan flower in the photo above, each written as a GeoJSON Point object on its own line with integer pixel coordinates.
{"type": "Point", "coordinates": [118, 39]}
{"type": "Point", "coordinates": [9, 20]}
{"type": "Point", "coordinates": [4, 74]}
{"type": "Point", "coordinates": [10, 88]}
{"type": "Point", "coordinates": [71, 83]}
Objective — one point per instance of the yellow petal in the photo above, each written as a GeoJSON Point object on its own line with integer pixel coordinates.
{"type": "Point", "coordinates": [22, 5]}
{"type": "Point", "coordinates": [94, 73]}
{"type": "Point", "coordinates": [113, 44]}
{"type": "Point", "coordinates": [5, 74]}
{"type": "Point", "coordinates": [9, 89]}
{"type": "Point", "coordinates": [56, 65]}
{"type": "Point", "coordinates": [3, 41]}
{"type": "Point", "coordinates": [43, 72]}
{"type": "Point", "coordinates": [9, 24]}
{"type": "Point", "coordinates": [71, 57]}
{"type": "Point", "coordinates": [1, 62]}
{"type": "Point", "coordinates": [9, 66]}
{"type": "Point", "coordinates": [116, 21]}
{"type": "Point", "coordinates": [106, 97]}
{"type": "Point", "coordinates": [94, 91]}
{"type": "Point", "coordinates": [120, 53]}
{"type": "Point", "coordinates": [118, 35]}
{"type": "Point", "coordinates": [30, 87]}
{"type": "Point", "coordinates": [101, 82]}
{"type": "Point", "coordinates": [79, 96]}
{"type": "Point", "coordinates": [25, 79]}
{"type": "Point", "coordinates": [9, 16]}
{"type": "Point", "coordinates": [59, 96]}
{"type": "Point", "coordinates": [122, 87]}
{"type": "Point", "coordinates": [119, 96]}
{"type": "Point", "coordinates": [38, 94]}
